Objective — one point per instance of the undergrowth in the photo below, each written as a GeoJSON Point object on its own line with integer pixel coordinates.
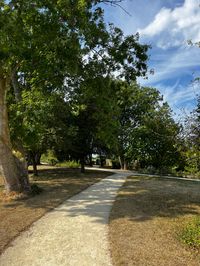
{"type": "Point", "coordinates": [190, 234]}
{"type": "Point", "coordinates": [68, 164]}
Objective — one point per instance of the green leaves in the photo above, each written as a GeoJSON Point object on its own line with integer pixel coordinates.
{"type": "Point", "coordinates": [147, 131]}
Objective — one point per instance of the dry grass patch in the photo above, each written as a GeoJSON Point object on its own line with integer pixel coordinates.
{"type": "Point", "coordinates": [58, 184]}
{"type": "Point", "coordinates": [146, 219]}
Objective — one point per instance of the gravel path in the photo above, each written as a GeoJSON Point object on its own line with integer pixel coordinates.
{"type": "Point", "coordinates": [75, 233]}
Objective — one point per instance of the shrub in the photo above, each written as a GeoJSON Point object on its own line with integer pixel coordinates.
{"type": "Point", "coordinates": [68, 164]}
{"type": "Point", "coordinates": [49, 158]}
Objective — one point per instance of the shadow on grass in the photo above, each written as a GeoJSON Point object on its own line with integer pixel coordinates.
{"type": "Point", "coordinates": [57, 184]}
{"type": "Point", "coordinates": [95, 202]}
{"type": "Point", "coordinates": [143, 199]}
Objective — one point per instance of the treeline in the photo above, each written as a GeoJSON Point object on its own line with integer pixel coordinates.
{"type": "Point", "coordinates": [68, 82]}
{"type": "Point", "coordinates": [113, 119]}
{"type": "Point", "coordinates": [127, 123]}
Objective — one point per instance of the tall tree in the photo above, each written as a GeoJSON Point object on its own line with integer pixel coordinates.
{"type": "Point", "coordinates": [192, 141]}
{"type": "Point", "coordinates": [147, 132]}
{"type": "Point", "coordinates": [49, 44]}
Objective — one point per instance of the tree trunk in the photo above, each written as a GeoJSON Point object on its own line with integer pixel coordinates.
{"type": "Point", "coordinates": [121, 161]}
{"type": "Point", "coordinates": [8, 166]}
{"type": "Point", "coordinates": [22, 165]}
{"type": "Point", "coordinates": [90, 160]}
{"type": "Point", "coordinates": [33, 158]}
{"type": "Point", "coordinates": [37, 158]}
{"type": "Point", "coordinates": [17, 91]}
{"type": "Point", "coordinates": [125, 165]}
{"type": "Point", "coordinates": [82, 161]}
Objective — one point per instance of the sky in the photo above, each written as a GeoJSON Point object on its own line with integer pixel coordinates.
{"type": "Point", "coordinates": [166, 25]}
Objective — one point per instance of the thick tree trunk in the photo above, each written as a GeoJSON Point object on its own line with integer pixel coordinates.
{"type": "Point", "coordinates": [8, 166]}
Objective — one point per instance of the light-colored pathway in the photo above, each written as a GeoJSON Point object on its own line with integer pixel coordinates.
{"type": "Point", "coordinates": [75, 233]}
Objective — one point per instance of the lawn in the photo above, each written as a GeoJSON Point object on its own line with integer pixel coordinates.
{"type": "Point", "coordinates": [147, 219]}
{"type": "Point", "coordinates": [58, 184]}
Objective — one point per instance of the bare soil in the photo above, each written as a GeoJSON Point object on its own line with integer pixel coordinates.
{"type": "Point", "coordinates": [146, 219]}
{"type": "Point", "coordinates": [58, 184]}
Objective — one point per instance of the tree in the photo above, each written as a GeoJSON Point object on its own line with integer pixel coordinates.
{"type": "Point", "coordinates": [158, 139]}
{"type": "Point", "coordinates": [39, 122]}
{"type": "Point", "coordinates": [115, 57]}
{"type": "Point", "coordinates": [192, 141]}
{"type": "Point", "coordinates": [41, 43]}
{"type": "Point", "coordinates": [26, 48]}
{"type": "Point", "coordinates": [147, 132]}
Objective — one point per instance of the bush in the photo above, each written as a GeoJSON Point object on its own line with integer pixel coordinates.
{"type": "Point", "coordinates": [151, 170]}
{"type": "Point", "coordinates": [49, 158]}
{"type": "Point", "coordinates": [68, 164]}
{"type": "Point", "coordinates": [190, 234]}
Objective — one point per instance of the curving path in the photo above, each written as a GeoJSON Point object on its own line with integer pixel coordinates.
{"type": "Point", "coordinates": [75, 233]}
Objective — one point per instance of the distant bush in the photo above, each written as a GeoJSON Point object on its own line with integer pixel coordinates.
{"type": "Point", "coordinates": [68, 164]}
{"type": "Point", "coordinates": [151, 170]}
{"type": "Point", "coordinates": [190, 234]}
{"type": "Point", "coordinates": [49, 158]}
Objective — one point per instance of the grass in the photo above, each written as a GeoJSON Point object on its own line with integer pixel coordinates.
{"type": "Point", "coordinates": [57, 184]}
{"type": "Point", "coordinates": [68, 164]}
{"type": "Point", "coordinates": [190, 233]}
{"type": "Point", "coordinates": [147, 218]}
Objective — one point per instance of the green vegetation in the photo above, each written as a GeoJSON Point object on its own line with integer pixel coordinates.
{"type": "Point", "coordinates": [49, 158]}
{"type": "Point", "coordinates": [69, 164]}
{"type": "Point", "coordinates": [190, 234]}
{"type": "Point", "coordinates": [68, 82]}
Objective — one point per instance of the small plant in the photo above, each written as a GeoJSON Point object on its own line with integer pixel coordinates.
{"type": "Point", "coordinates": [49, 158]}
{"type": "Point", "coordinates": [69, 164]}
{"type": "Point", "coordinates": [190, 234]}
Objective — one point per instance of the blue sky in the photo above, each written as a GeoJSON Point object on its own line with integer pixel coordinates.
{"type": "Point", "coordinates": [166, 25]}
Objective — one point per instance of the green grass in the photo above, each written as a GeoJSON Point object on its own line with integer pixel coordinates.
{"type": "Point", "coordinates": [190, 234]}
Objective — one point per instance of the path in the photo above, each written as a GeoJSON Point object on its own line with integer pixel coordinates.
{"type": "Point", "coordinates": [75, 233]}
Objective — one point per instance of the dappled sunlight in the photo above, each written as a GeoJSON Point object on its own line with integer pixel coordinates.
{"type": "Point", "coordinates": [57, 184]}
{"type": "Point", "coordinates": [145, 219]}
{"type": "Point", "coordinates": [154, 198]}
{"type": "Point", "coordinates": [96, 202]}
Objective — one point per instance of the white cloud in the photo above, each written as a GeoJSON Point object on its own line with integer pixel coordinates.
{"type": "Point", "coordinates": [182, 99]}
{"type": "Point", "coordinates": [173, 27]}
{"type": "Point", "coordinates": [174, 64]}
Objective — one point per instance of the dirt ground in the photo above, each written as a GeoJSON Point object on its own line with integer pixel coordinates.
{"type": "Point", "coordinates": [58, 184]}
{"type": "Point", "coordinates": [146, 219]}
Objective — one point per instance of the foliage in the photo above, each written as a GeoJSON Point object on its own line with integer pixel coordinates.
{"type": "Point", "coordinates": [191, 149]}
{"type": "Point", "coordinates": [190, 234]}
{"type": "Point", "coordinates": [49, 158]}
{"type": "Point", "coordinates": [68, 164]}
{"type": "Point", "coordinates": [147, 132]}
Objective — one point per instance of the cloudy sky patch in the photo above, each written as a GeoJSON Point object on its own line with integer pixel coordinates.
{"type": "Point", "coordinates": [166, 26]}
